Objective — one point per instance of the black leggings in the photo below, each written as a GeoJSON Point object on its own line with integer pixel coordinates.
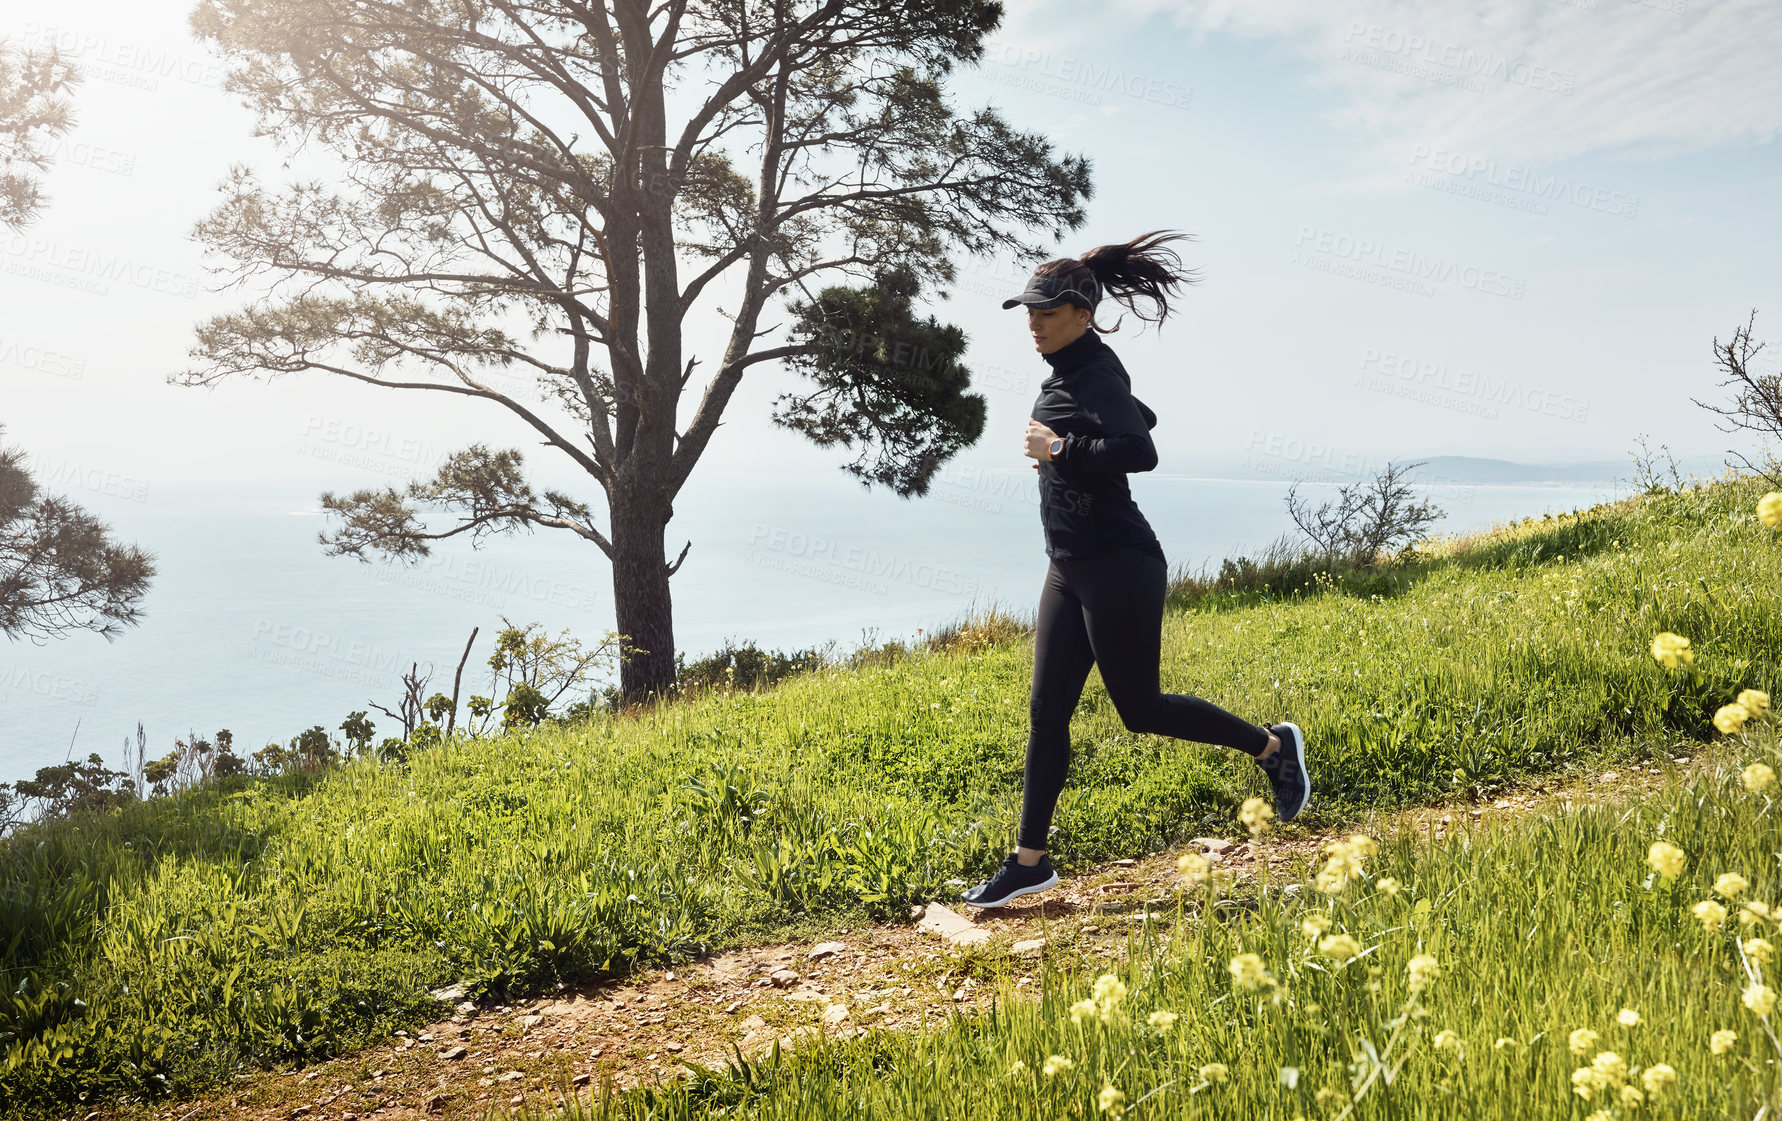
{"type": "Point", "coordinates": [1106, 611]}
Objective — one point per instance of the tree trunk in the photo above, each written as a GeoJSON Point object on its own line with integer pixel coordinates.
{"type": "Point", "coordinates": [643, 608]}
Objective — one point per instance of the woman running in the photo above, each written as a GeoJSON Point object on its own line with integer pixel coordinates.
{"type": "Point", "coordinates": [1103, 598]}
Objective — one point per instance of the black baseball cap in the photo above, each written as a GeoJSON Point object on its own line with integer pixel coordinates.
{"type": "Point", "coordinates": [1052, 291]}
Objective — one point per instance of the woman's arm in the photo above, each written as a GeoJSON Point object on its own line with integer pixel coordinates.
{"type": "Point", "coordinates": [1127, 447]}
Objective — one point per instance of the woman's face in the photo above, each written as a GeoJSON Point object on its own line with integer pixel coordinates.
{"type": "Point", "coordinates": [1054, 327]}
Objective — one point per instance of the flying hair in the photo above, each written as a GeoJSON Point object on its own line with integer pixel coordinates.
{"type": "Point", "coordinates": [1145, 268]}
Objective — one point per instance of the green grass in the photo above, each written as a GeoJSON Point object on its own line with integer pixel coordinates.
{"type": "Point", "coordinates": [155, 949]}
{"type": "Point", "coordinates": [1540, 926]}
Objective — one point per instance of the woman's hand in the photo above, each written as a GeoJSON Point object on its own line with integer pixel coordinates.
{"type": "Point", "coordinates": [1038, 441]}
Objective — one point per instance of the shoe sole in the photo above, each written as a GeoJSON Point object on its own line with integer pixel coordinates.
{"type": "Point", "coordinates": [1052, 881]}
{"type": "Point", "coordinates": [1299, 754]}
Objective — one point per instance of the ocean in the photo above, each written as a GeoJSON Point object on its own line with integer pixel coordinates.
{"type": "Point", "coordinates": [248, 626]}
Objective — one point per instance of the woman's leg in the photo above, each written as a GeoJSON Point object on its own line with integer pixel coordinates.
{"type": "Point", "coordinates": [1122, 596]}
{"type": "Point", "coordinates": [1061, 660]}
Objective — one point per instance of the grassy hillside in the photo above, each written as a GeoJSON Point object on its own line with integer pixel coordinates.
{"type": "Point", "coordinates": [160, 947]}
{"type": "Point", "coordinates": [1523, 933]}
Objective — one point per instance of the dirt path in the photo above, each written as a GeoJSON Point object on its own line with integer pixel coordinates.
{"type": "Point", "coordinates": [641, 1029]}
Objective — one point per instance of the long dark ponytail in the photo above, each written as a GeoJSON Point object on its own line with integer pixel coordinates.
{"type": "Point", "coordinates": [1145, 268]}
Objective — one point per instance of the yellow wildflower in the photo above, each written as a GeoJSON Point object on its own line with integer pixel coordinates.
{"type": "Point", "coordinates": [1631, 1098]}
{"type": "Point", "coordinates": [1756, 702]}
{"type": "Point", "coordinates": [1758, 776]}
{"type": "Point", "coordinates": [1016, 1068]}
{"type": "Point", "coordinates": [1501, 1042]}
{"type": "Point", "coordinates": [1587, 1081]}
{"type": "Point", "coordinates": [1248, 972]}
{"type": "Point", "coordinates": [1627, 1018]}
{"type": "Point", "coordinates": [1710, 913]}
{"type": "Point", "coordinates": [1193, 866]}
{"type": "Point", "coordinates": [1315, 924]}
{"type": "Point", "coordinates": [1214, 1072]}
{"type": "Point", "coordinates": [1666, 859]}
{"type": "Point", "coordinates": [1423, 971]}
{"type": "Point", "coordinates": [1769, 509]}
{"type": "Point", "coordinates": [1448, 1040]}
{"type": "Point", "coordinates": [1758, 950]}
{"type": "Point", "coordinates": [1343, 863]}
{"type": "Point", "coordinates": [1111, 1101]}
{"type": "Point", "coordinates": [1162, 1020]}
{"type": "Point", "coordinates": [1730, 718]}
{"type": "Point", "coordinates": [1056, 1063]}
{"type": "Point", "coordinates": [1753, 911]}
{"type": "Point", "coordinates": [1601, 1115]}
{"type": "Point", "coordinates": [1083, 1010]}
{"type": "Point", "coordinates": [1256, 814]}
{"type": "Point", "coordinates": [1109, 989]}
{"type": "Point", "coordinates": [1581, 1041]}
{"type": "Point", "coordinates": [1672, 649]}
{"type": "Point", "coordinates": [1611, 1066]}
{"type": "Point", "coordinates": [1657, 1076]}
{"type": "Point", "coordinates": [1730, 884]}
{"type": "Point", "coordinates": [1386, 885]}
{"type": "Point", "coordinates": [1341, 947]}
{"type": "Point", "coordinates": [1723, 1041]}
{"type": "Point", "coordinates": [1759, 997]}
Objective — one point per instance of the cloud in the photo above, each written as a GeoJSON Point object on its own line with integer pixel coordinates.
{"type": "Point", "coordinates": [1525, 80]}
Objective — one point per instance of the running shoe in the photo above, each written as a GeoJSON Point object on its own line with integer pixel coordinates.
{"type": "Point", "coordinates": [1286, 771]}
{"type": "Point", "coordinates": [1012, 880]}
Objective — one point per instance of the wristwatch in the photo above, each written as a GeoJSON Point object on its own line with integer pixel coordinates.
{"type": "Point", "coordinates": [1056, 447]}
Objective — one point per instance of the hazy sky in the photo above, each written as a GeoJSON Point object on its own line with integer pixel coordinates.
{"type": "Point", "coordinates": [1507, 229]}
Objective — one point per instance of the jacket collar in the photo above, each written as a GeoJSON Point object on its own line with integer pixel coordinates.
{"type": "Point", "coordinates": [1081, 351]}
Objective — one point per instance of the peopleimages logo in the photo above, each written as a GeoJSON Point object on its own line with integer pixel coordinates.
{"type": "Point", "coordinates": [1455, 58]}
{"type": "Point", "coordinates": [780, 548]}
{"type": "Point", "coordinates": [1429, 382]}
{"type": "Point", "coordinates": [1411, 263]}
{"type": "Point", "coordinates": [125, 62]}
{"type": "Point", "coordinates": [1081, 79]}
{"type": "Point", "coordinates": [1514, 177]}
{"type": "Point", "coordinates": [93, 268]}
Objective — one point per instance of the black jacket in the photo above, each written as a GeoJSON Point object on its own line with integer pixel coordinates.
{"type": "Point", "coordinates": [1086, 507]}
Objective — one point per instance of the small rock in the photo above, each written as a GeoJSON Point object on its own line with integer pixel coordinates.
{"type": "Point", "coordinates": [783, 978]}
{"type": "Point", "coordinates": [581, 1079]}
{"type": "Point", "coordinates": [1212, 844]}
{"type": "Point", "coordinates": [454, 1053]}
{"type": "Point", "coordinates": [1028, 946]}
{"type": "Point", "coordinates": [835, 1013]}
{"type": "Point", "coordinates": [730, 1009]}
{"type": "Point", "coordinates": [671, 1045]}
{"type": "Point", "coordinates": [465, 1008]}
{"type": "Point", "coordinates": [597, 1052]}
{"type": "Point", "coordinates": [826, 949]}
{"type": "Point", "coordinates": [1125, 862]}
{"type": "Point", "coordinates": [753, 1023]}
{"type": "Point", "coordinates": [301, 1110]}
{"type": "Point", "coordinates": [510, 1076]}
{"type": "Point", "coordinates": [1091, 929]}
{"type": "Point", "coordinates": [958, 995]}
{"type": "Point", "coordinates": [953, 928]}
{"type": "Point", "coordinates": [532, 1021]}
{"type": "Point", "coordinates": [451, 994]}
{"type": "Point", "coordinates": [669, 976]}
{"type": "Point", "coordinates": [806, 996]}
{"type": "Point", "coordinates": [517, 1099]}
